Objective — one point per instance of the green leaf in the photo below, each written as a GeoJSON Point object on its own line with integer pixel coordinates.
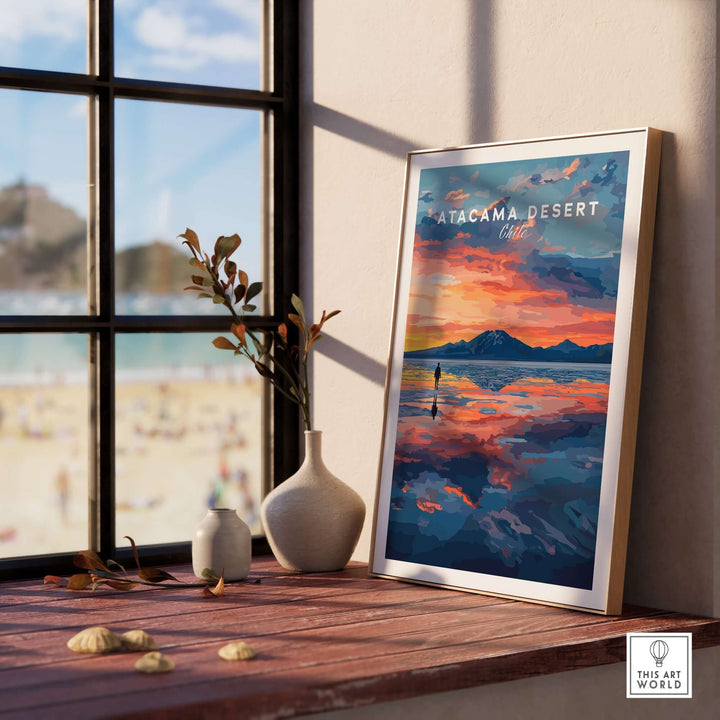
{"type": "Point", "coordinates": [218, 299]}
{"type": "Point", "coordinates": [254, 289]}
{"type": "Point", "coordinates": [222, 343]}
{"type": "Point", "coordinates": [208, 574]}
{"type": "Point", "coordinates": [226, 246]}
{"type": "Point", "coordinates": [204, 295]}
{"type": "Point", "coordinates": [112, 563]}
{"type": "Point", "coordinates": [297, 303]}
{"type": "Point", "coordinates": [264, 370]}
{"type": "Point", "coordinates": [249, 308]}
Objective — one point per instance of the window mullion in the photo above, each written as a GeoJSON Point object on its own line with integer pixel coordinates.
{"type": "Point", "coordinates": [102, 514]}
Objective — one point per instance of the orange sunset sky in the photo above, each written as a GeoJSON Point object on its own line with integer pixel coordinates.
{"type": "Point", "coordinates": [557, 281]}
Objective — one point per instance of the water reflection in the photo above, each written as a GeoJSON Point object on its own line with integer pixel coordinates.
{"type": "Point", "coordinates": [506, 480]}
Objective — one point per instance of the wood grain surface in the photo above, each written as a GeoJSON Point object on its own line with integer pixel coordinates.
{"type": "Point", "coordinates": [324, 642]}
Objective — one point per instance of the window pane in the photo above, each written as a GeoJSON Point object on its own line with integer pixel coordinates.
{"type": "Point", "coordinates": [189, 41]}
{"type": "Point", "coordinates": [44, 34]}
{"type": "Point", "coordinates": [181, 166]}
{"type": "Point", "coordinates": [188, 436]}
{"type": "Point", "coordinates": [43, 203]}
{"type": "Point", "coordinates": [43, 443]}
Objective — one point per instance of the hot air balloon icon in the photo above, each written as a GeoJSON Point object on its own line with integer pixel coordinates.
{"type": "Point", "coordinates": [659, 650]}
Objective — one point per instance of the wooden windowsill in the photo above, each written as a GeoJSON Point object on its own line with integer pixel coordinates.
{"type": "Point", "coordinates": [324, 641]}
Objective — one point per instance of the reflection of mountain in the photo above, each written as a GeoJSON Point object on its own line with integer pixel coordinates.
{"type": "Point", "coordinates": [498, 345]}
{"type": "Point", "coordinates": [43, 244]}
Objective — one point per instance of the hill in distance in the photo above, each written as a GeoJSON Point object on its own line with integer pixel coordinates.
{"type": "Point", "coordinates": [43, 245]}
{"type": "Point", "coordinates": [499, 345]}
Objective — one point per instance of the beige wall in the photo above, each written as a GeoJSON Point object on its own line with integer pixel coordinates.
{"type": "Point", "coordinates": [382, 77]}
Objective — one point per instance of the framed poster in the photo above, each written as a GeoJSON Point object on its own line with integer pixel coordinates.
{"type": "Point", "coordinates": [515, 365]}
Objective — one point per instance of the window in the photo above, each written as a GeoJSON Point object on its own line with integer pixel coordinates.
{"type": "Point", "coordinates": [123, 124]}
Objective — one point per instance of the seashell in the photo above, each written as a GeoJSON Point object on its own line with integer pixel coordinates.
{"type": "Point", "coordinates": [138, 640]}
{"type": "Point", "coordinates": [154, 662]}
{"type": "Point", "coordinates": [94, 640]}
{"type": "Point", "coordinates": [236, 651]}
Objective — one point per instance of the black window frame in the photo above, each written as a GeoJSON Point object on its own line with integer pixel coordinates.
{"type": "Point", "coordinates": [281, 103]}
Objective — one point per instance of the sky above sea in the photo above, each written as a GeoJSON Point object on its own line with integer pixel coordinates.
{"type": "Point", "coordinates": [177, 166]}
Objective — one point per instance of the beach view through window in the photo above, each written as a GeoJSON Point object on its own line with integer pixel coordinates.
{"type": "Point", "coordinates": [188, 421]}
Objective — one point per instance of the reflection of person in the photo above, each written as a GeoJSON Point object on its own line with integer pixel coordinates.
{"type": "Point", "coordinates": [438, 373]}
{"type": "Point", "coordinates": [434, 409]}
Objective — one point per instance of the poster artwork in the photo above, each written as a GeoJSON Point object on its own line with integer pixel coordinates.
{"type": "Point", "coordinates": [506, 367]}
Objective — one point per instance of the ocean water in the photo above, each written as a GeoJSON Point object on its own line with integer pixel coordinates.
{"type": "Point", "coordinates": [55, 302]}
{"type": "Point", "coordinates": [498, 469]}
{"type": "Point", "coordinates": [48, 358]}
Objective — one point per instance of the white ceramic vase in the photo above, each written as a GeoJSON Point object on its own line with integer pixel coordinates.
{"type": "Point", "coordinates": [313, 520]}
{"type": "Point", "coordinates": [222, 543]}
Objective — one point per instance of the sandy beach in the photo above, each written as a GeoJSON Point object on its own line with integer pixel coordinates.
{"type": "Point", "coordinates": [182, 445]}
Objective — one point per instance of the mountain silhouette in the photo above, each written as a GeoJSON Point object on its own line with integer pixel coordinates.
{"type": "Point", "coordinates": [43, 245]}
{"type": "Point", "coordinates": [499, 345]}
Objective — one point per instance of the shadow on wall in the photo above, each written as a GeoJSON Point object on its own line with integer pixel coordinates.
{"type": "Point", "coordinates": [314, 115]}
{"type": "Point", "coordinates": [349, 357]}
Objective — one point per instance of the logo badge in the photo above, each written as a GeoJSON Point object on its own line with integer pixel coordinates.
{"type": "Point", "coordinates": [659, 665]}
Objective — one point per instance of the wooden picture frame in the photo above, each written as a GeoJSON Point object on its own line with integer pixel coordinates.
{"type": "Point", "coordinates": [513, 381]}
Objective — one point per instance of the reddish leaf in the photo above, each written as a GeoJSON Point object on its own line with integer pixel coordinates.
{"type": "Point", "coordinates": [216, 591]}
{"type": "Point", "coordinates": [134, 551]}
{"type": "Point", "coordinates": [239, 292]}
{"type": "Point", "coordinates": [79, 581]}
{"type": "Point", "coordinates": [239, 332]}
{"type": "Point", "coordinates": [282, 331]}
{"type": "Point", "coordinates": [89, 560]}
{"type": "Point", "coordinates": [330, 314]}
{"type": "Point", "coordinates": [242, 278]}
{"type": "Point", "coordinates": [119, 584]}
{"type": "Point", "coordinates": [296, 320]}
{"type": "Point", "coordinates": [191, 239]}
{"type": "Point", "coordinates": [230, 269]}
{"type": "Point", "coordinates": [55, 580]}
{"type": "Point", "coordinates": [223, 343]}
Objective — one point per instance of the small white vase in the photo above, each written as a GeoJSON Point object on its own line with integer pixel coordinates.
{"type": "Point", "coordinates": [222, 543]}
{"type": "Point", "coordinates": [313, 520]}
